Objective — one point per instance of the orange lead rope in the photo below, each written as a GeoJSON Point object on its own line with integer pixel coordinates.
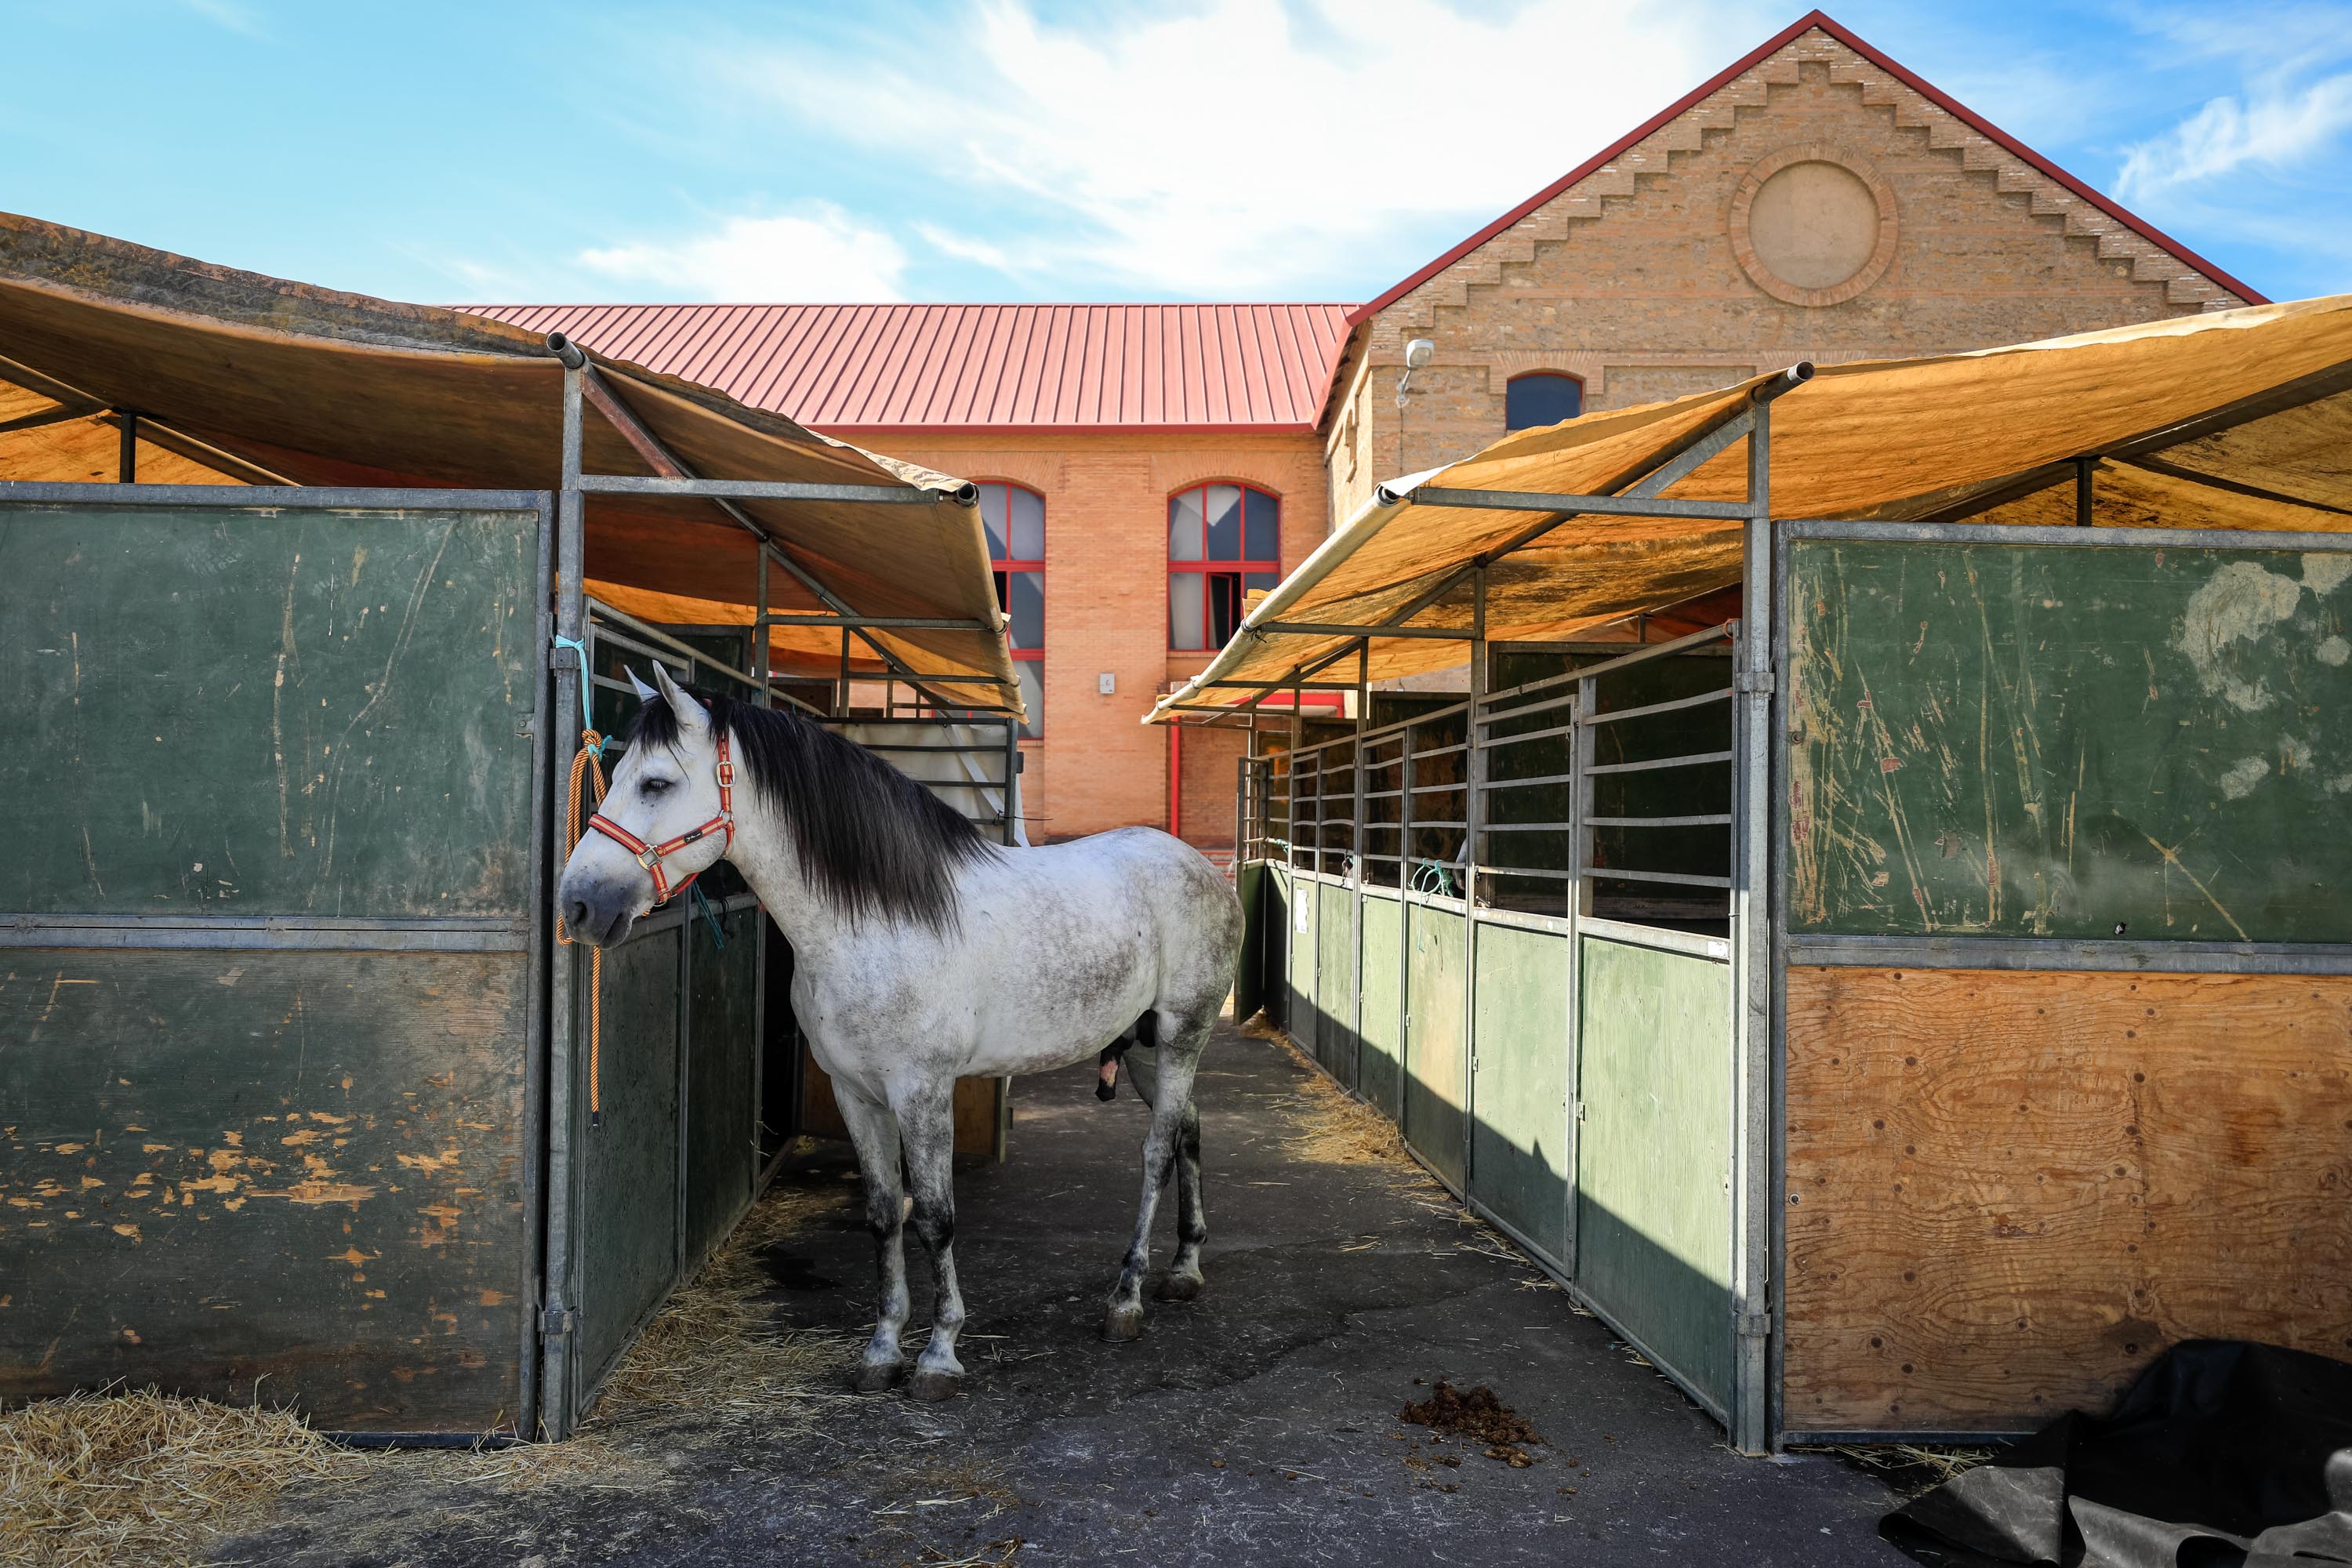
{"type": "Point", "coordinates": [589, 762]}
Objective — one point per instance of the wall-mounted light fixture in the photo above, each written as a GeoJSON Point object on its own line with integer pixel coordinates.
{"type": "Point", "coordinates": [1416, 354]}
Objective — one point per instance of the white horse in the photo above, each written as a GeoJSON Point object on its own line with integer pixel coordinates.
{"type": "Point", "coordinates": [923, 953]}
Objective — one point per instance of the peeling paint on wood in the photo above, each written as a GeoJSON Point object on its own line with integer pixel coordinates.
{"type": "Point", "coordinates": [2079, 741]}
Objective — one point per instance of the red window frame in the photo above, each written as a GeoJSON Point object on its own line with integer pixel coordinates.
{"type": "Point", "coordinates": [1241, 567]}
{"type": "Point", "coordinates": [1004, 565]}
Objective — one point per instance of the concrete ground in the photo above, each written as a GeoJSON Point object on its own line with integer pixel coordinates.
{"type": "Point", "coordinates": [1255, 1426]}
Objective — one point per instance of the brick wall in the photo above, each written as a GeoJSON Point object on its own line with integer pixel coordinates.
{"type": "Point", "coordinates": [1097, 765]}
{"type": "Point", "coordinates": [1631, 281]}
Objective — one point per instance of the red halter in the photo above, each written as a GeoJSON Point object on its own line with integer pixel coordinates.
{"type": "Point", "coordinates": [650, 856]}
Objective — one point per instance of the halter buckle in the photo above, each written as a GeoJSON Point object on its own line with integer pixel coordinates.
{"type": "Point", "coordinates": [726, 774]}
{"type": "Point", "coordinates": [649, 857]}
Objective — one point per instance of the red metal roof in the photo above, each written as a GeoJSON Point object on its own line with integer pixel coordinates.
{"type": "Point", "coordinates": [1000, 367]}
{"type": "Point", "coordinates": [1768, 47]}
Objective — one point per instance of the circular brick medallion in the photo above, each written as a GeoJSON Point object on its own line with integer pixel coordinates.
{"type": "Point", "coordinates": [1813, 223]}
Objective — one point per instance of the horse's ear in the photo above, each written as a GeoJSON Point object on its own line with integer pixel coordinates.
{"type": "Point", "coordinates": [645, 693]}
{"type": "Point", "coordinates": [691, 715]}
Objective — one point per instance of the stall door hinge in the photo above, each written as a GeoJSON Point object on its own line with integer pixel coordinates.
{"type": "Point", "coordinates": [1753, 1325]}
{"type": "Point", "coordinates": [555, 1321]}
{"type": "Point", "coordinates": [1753, 680]}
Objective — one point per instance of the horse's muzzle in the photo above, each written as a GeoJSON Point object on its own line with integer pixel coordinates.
{"type": "Point", "coordinates": [594, 910]}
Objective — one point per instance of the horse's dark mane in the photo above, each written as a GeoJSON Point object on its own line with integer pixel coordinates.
{"type": "Point", "coordinates": [871, 840]}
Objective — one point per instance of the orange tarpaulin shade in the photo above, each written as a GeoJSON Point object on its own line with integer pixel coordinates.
{"type": "Point", "coordinates": [2236, 419]}
{"type": "Point", "coordinates": [239, 378]}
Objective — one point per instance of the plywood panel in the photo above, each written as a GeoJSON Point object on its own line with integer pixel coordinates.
{"type": "Point", "coordinates": [1437, 1061]}
{"type": "Point", "coordinates": [1518, 1086]}
{"type": "Point", "coordinates": [2007, 1191]}
{"type": "Point", "coordinates": [1335, 984]}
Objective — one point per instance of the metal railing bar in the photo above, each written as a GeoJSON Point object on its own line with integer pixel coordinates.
{"type": "Point", "coordinates": [1532, 826]}
{"type": "Point", "coordinates": [1494, 740]}
{"type": "Point", "coordinates": [1709, 819]}
{"type": "Point", "coordinates": [1528, 784]}
{"type": "Point", "coordinates": [1679, 878]}
{"type": "Point", "coordinates": [1701, 700]}
{"type": "Point", "coordinates": [1543, 706]}
{"type": "Point", "coordinates": [1692, 761]}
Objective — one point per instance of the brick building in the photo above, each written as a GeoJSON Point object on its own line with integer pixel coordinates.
{"type": "Point", "coordinates": [1814, 200]}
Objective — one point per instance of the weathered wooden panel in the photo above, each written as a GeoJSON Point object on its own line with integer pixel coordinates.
{"type": "Point", "coordinates": [1249, 969]}
{"type": "Point", "coordinates": [1653, 1153]}
{"type": "Point", "coordinates": [2008, 1190]}
{"type": "Point", "coordinates": [1382, 1060]}
{"type": "Point", "coordinates": [1519, 1088]}
{"type": "Point", "coordinates": [1335, 984]}
{"type": "Point", "coordinates": [2071, 740]}
{"type": "Point", "coordinates": [981, 1109]}
{"type": "Point", "coordinates": [722, 1156]}
{"type": "Point", "coordinates": [301, 1170]}
{"type": "Point", "coordinates": [1437, 1061]}
{"type": "Point", "coordinates": [266, 712]}
{"type": "Point", "coordinates": [628, 1161]}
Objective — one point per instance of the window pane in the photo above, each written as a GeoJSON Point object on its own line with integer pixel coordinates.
{"type": "Point", "coordinates": [992, 517]}
{"type": "Point", "coordinates": [1225, 522]}
{"type": "Point", "coordinates": [1224, 606]}
{"type": "Point", "coordinates": [1264, 526]}
{"type": "Point", "coordinates": [1032, 672]}
{"type": "Point", "coordinates": [1184, 610]}
{"type": "Point", "coordinates": [1184, 526]}
{"type": "Point", "coordinates": [1537, 400]}
{"type": "Point", "coordinates": [1028, 535]}
{"type": "Point", "coordinates": [1028, 609]}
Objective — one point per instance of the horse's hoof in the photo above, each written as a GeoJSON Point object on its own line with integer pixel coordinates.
{"type": "Point", "coordinates": [1180, 1287]}
{"type": "Point", "coordinates": [932, 1386]}
{"type": "Point", "coordinates": [878, 1376]}
{"type": "Point", "coordinates": [1123, 1323]}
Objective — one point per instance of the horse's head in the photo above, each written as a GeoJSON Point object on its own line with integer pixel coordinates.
{"type": "Point", "coordinates": [666, 819]}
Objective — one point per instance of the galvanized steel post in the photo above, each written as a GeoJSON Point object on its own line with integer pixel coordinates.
{"type": "Point", "coordinates": [1752, 1135]}
{"type": "Point", "coordinates": [559, 1314]}
{"type": "Point", "coordinates": [1473, 819]}
{"type": "Point", "coordinates": [1356, 881]}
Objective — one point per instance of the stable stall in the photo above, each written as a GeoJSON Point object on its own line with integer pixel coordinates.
{"type": "Point", "coordinates": [1872, 925]}
{"type": "Point", "coordinates": [315, 606]}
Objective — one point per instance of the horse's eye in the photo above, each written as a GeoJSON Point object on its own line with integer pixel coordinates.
{"type": "Point", "coordinates": [653, 786]}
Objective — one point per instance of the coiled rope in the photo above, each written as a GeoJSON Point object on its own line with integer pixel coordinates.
{"type": "Point", "coordinates": [588, 762]}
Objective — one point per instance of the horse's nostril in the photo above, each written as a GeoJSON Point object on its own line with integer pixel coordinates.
{"type": "Point", "coordinates": [575, 913]}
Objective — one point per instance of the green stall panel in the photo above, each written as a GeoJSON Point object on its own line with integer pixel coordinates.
{"type": "Point", "coordinates": [721, 1159]}
{"type": "Point", "coordinates": [1275, 957]}
{"type": "Point", "coordinates": [1335, 984]}
{"type": "Point", "coordinates": [1519, 1131]}
{"type": "Point", "coordinates": [282, 711]}
{"type": "Point", "coordinates": [1249, 970]}
{"type": "Point", "coordinates": [2088, 741]}
{"type": "Point", "coordinates": [1437, 1063]}
{"type": "Point", "coordinates": [628, 1161]}
{"type": "Point", "coordinates": [266, 1174]}
{"type": "Point", "coordinates": [1300, 1017]}
{"type": "Point", "coordinates": [1381, 1057]}
{"type": "Point", "coordinates": [1653, 1154]}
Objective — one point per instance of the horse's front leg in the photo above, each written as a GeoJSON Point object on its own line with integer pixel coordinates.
{"type": "Point", "coordinates": [927, 1118]}
{"type": "Point", "coordinates": [1180, 1057]}
{"type": "Point", "coordinates": [874, 1132]}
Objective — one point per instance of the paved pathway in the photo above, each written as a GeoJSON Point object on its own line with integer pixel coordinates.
{"type": "Point", "coordinates": [1253, 1427]}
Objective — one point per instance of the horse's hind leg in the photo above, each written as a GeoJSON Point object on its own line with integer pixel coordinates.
{"type": "Point", "coordinates": [928, 1121]}
{"type": "Point", "coordinates": [1180, 1057]}
{"type": "Point", "coordinates": [1184, 1280]}
{"type": "Point", "coordinates": [874, 1131]}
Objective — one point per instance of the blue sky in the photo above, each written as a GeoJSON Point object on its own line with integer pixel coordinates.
{"type": "Point", "coordinates": [1028, 149]}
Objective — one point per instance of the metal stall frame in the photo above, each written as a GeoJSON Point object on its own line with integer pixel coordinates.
{"type": "Point", "coordinates": [526, 935]}
{"type": "Point", "coordinates": [1751, 952]}
{"type": "Point", "coordinates": [1995, 952]}
{"type": "Point", "coordinates": [562, 1400]}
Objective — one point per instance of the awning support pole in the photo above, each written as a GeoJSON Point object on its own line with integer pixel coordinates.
{"type": "Point", "coordinates": [1753, 977]}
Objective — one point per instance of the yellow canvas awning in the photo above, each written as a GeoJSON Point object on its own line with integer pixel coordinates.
{"type": "Point", "coordinates": [238, 378]}
{"type": "Point", "coordinates": [2238, 419]}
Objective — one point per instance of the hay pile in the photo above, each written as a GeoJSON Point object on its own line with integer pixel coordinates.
{"type": "Point", "coordinates": [116, 1478]}
{"type": "Point", "coordinates": [1334, 1127]}
{"type": "Point", "coordinates": [111, 1479]}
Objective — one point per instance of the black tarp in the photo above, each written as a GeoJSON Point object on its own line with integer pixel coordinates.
{"type": "Point", "coordinates": [2222, 1455]}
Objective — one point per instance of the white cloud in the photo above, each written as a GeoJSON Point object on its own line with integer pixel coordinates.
{"type": "Point", "coordinates": [820, 256]}
{"type": "Point", "coordinates": [1246, 146]}
{"type": "Point", "coordinates": [2275, 127]}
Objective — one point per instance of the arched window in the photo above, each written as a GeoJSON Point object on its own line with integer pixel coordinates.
{"type": "Point", "coordinates": [1224, 541]}
{"type": "Point", "coordinates": [1014, 519]}
{"type": "Point", "coordinates": [1546, 397]}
